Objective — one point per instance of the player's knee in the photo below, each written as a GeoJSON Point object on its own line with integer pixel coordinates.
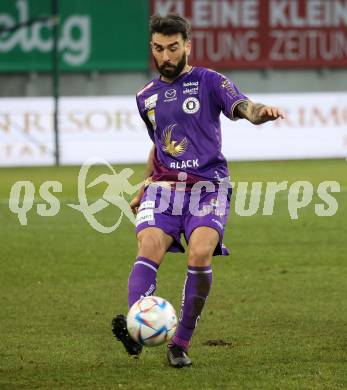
{"type": "Point", "coordinates": [151, 246]}
{"type": "Point", "coordinates": [200, 255]}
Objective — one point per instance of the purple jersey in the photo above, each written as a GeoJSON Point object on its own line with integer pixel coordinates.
{"type": "Point", "coordinates": [183, 120]}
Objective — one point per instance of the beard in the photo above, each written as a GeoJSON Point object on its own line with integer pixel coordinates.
{"type": "Point", "coordinates": [169, 70]}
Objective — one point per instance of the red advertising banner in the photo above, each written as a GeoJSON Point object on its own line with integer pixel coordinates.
{"type": "Point", "coordinates": [264, 33]}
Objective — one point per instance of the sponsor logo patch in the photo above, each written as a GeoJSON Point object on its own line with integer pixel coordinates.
{"type": "Point", "coordinates": [151, 102]}
{"type": "Point", "coordinates": [191, 91]}
{"type": "Point", "coordinates": [191, 84]}
{"type": "Point", "coordinates": [227, 85]}
{"type": "Point", "coordinates": [191, 105]}
{"type": "Point", "coordinates": [170, 95]}
{"type": "Point", "coordinates": [148, 204]}
{"type": "Point", "coordinates": [218, 223]}
{"type": "Point", "coordinates": [173, 147]}
{"type": "Point", "coordinates": [144, 216]}
{"type": "Point", "coordinates": [185, 164]}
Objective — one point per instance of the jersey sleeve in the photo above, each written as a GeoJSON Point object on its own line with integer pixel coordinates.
{"type": "Point", "coordinates": [226, 94]}
{"type": "Point", "coordinates": [145, 119]}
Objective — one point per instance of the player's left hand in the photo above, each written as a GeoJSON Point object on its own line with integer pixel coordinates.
{"type": "Point", "coordinates": [269, 113]}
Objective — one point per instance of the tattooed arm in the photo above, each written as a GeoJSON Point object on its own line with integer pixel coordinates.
{"type": "Point", "coordinates": [257, 113]}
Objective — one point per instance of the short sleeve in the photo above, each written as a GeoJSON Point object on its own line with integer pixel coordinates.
{"type": "Point", "coordinates": [145, 119]}
{"type": "Point", "coordinates": [227, 96]}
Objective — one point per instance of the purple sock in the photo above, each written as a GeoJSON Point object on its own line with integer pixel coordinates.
{"type": "Point", "coordinates": [142, 279]}
{"type": "Point", "coordinates": [196, 288]}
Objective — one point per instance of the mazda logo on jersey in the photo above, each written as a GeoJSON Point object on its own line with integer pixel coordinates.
{"type": "Point", "coordinates": [191, 105]}
{"type": "Point", "coordinates": [170, 93]}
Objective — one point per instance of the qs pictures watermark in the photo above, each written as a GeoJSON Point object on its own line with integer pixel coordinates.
{"type": "Point", "coordinates": [248, 199]}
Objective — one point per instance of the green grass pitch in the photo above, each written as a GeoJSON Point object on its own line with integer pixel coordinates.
{"type": "Point", "coordinates": [279, 302]}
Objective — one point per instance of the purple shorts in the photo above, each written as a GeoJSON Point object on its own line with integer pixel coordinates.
{"type": "Point", "coordinates": [177, 212]}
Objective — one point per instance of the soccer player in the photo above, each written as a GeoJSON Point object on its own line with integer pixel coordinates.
{"type": "Point", "coordinates": [181, 110]}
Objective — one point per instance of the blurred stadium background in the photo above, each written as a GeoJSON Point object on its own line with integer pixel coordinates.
{"type": "Point", "coordinates": [288, 48]}
{"type": "Point", "coordinates": [69, 72]}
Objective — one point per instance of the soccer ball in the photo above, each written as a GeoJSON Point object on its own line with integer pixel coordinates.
{"type": "Point", "coordinates": [152, 321]}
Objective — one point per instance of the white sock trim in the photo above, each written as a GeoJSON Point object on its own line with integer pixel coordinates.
{"type": "Point", "coordinates": [147, 265]}
{"type": "Point", "coordinates": [200, 272]}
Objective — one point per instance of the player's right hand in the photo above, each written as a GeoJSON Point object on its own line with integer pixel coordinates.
{"type": "Point", "coordinates": [135, 203]}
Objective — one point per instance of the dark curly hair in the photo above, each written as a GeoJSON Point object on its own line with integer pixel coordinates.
{"type": "Point", "coordinates": [170, 24]}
